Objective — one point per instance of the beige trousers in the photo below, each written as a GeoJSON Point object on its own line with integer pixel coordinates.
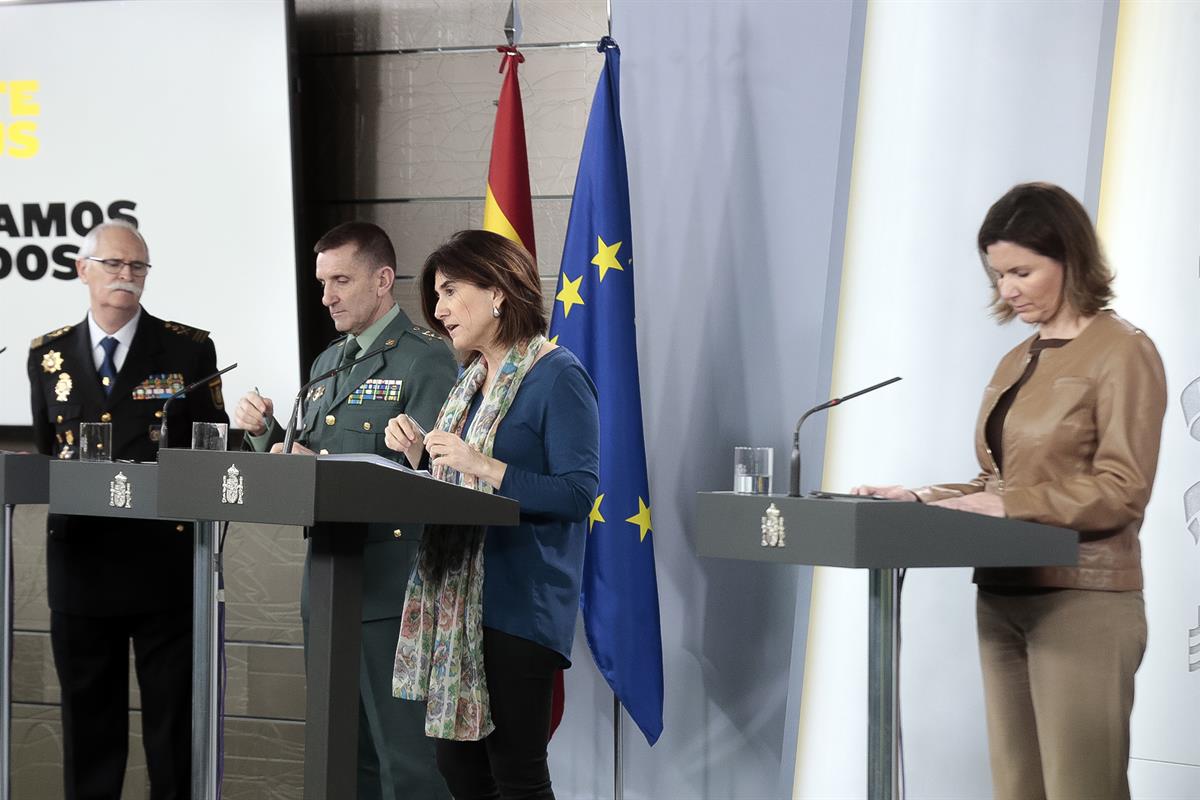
{"type": "Point", "coordinates": [1058, 680]}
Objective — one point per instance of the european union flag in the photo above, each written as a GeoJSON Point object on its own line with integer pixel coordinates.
{"type": "Point", "coordinates": [593, 317]}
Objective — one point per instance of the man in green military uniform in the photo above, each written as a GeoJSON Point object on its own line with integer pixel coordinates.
{"type": "Point", "coordinates": [348, 413]}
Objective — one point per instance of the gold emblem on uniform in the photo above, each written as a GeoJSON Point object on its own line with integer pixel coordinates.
{"type": "Point", "coordinates": [330, 419]}
{"type": "Point", "coordinates": [62, 389]}
{"type": "Point", "coordinates": [425, 332]}
{"type": "Point", "coordinates": [120, 492]}
{"type": "Point", "coordinates": [316, 393]}
{"type": "Point", "coordinates": [70, 437]}
{"type": "Point", "coordinates": [232, 487]}
{"type": "Point", "coordinates": [390, 343]}
{"type": "Point", "coordinates": [52, 362]}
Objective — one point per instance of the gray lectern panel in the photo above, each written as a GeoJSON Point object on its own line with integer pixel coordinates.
{"type": "Point", "coordinates": [24, 479]}
{"type": "Point", "coordinates": [916, 535]}
{"type": "Point", "coordinates": [238, 486]}
{"type": "Point", "coordinates": [848, 532]}
{"type": "Point", "coordinates": [352, 491]}
{"type": "Point", "coordinates": [104, 489]}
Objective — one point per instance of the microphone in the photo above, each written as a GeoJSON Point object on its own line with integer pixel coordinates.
{"type": "Point", "coordinates": [162, 432]}
{"type": "Point", "coordinates": [291, 428]}
{"type": "Point", "coordinates": [2, 349]}
{"type": "Point", "coordinates": [794, 489]}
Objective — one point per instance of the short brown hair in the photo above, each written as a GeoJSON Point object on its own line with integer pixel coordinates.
{"type": "Point", "coordinates": [490, 261]}
{"type": "Point", "coordinates": [372, 247]}
{"type": "Point", "coordinates": [1046, 219]}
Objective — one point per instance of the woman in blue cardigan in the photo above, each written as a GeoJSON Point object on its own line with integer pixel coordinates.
{"type": "Point", "coordinates": [489, 614]}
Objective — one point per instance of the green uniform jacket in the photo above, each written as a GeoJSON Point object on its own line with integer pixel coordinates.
{"type": "Point", "coordinates": [413, 376]}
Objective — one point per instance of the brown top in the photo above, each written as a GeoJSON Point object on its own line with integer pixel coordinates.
{"type": "Point", "coordinates": [1080, 444]}
{"type": "Point", "coordinates": [995, 422]}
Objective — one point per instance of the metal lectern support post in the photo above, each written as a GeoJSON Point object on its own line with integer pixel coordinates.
{"type": "Point", "coordinates": [206, 671]}
{"type": "Point", "coordinates": [882, 683]}
{"type": "Point", "coordinates": [6, 623]}
{"type": "Point", "coordinates": [334, 631]}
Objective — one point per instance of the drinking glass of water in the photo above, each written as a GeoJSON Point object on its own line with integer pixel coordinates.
{"type": "Point", "coordinates": [752, 468]}
{"type": "Point", "coordinates": [209, 435]}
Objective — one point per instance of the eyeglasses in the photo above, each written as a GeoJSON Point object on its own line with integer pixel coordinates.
{"type": "Point", "coordinates": [113, 266]}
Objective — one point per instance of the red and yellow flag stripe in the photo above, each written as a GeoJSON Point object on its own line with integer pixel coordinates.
{"type": "Point", "coordinates": [507, 208]}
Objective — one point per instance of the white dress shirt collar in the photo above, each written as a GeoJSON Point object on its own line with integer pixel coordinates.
{"type": "Point", "coordinates": [124, 339]}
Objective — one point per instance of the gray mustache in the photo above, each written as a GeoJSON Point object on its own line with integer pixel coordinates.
{"type": "Point", "coordinates": [126, 286]}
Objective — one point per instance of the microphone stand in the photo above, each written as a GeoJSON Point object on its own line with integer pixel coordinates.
{"type": "Point", "coordinates": [291, 427]}
{"type": "Point", "coordinates": [162, 431]}
{"type": "Point", "coordinates": [794, 488]}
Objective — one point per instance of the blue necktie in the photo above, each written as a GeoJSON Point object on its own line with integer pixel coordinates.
{"type": "Point", "coordinates": [108, 368]}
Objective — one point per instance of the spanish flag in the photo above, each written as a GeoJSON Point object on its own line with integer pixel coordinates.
{"type": "Point", "coordinates": [507, 208]}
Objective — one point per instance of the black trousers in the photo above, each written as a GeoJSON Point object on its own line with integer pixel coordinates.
{"type": "Point", "coordinates": [510, 762]}
{"type": "Point", "coordinates": [91, 656]}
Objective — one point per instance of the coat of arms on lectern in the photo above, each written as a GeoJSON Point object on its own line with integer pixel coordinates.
{"type": "Point", "coordinates": [774, 532]}
{"type": "Point", "coordinates": [231, 486]}
{"type": "Point", "coordinates": [120, 492]}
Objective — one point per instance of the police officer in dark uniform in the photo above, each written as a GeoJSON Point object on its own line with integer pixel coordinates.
{"type": "Point", "coordinates": [114, 581]}
{"type": "Point", "coordinates": [349, 413]}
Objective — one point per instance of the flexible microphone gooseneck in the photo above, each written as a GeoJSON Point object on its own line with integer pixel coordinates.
{"type": "Point", "coordinates": [162, 432]}
{"type": "Point", "coordinates": [2, 349]}
{"type": "Point", "coordinates": [794, 488]}
{"type": "Point", "coordinates": [291, 427]}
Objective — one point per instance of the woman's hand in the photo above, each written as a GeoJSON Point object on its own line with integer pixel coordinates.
{"type": "Point", "coordinates": [403, 435]}
{"type": "Point", "coordinates": [986, 503]}
{"type": "Point", "coordinates": [886, 492]}
{"type": "Point", "coordinates": [448, 450]}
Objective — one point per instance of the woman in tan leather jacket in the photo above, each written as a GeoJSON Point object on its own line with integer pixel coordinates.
{"type": "Point", "coordinates": [1067, 435]}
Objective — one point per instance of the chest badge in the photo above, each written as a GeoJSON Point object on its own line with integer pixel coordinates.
{"type": "Point", "coordinates": [120, 492]}
{"type": "Point", "coordinates": [62, 389]}
{"type": "Point", "coordinates": [316, 393]}
{"type": "Point", "coordinates": [52, 362]}
{"type": "Point", "coordinates": [232, 487]}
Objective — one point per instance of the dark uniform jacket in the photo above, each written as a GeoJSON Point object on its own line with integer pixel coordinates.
{"type": "Point", "coordinates": [99, 566]}
{"type": "Point", "coordinates": [412, 376]}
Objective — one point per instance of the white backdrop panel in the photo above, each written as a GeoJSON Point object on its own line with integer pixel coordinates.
{"type": "Point", "coordinates": [1150, 223]}
{"type": "Point", "coordinates": [180, 108]}
{"type": "Point", "coordinates": [959, 101]}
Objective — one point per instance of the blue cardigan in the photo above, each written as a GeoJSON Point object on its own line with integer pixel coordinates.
{"type": "Point", "coordinates": [550, 442]}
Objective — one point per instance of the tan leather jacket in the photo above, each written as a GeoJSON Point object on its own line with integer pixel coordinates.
{"type": "Point", "coordinates": [1080, 452]}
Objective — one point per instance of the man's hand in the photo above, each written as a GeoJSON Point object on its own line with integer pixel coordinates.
{"type": "Point", "coordinates": [253, 413]}
{"type": "Point", "coordinates": [297, 449]}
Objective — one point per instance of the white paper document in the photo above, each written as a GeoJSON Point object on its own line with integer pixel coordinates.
{"type": "Point", "coordinates": [378, 460]}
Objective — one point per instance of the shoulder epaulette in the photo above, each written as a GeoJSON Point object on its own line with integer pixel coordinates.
{"type": "Point", "coordinates": [195, 334]}
{"type": "Point", "coordinates": [418, 330]}
{"type": "Point", "coordinates": [50, 337]}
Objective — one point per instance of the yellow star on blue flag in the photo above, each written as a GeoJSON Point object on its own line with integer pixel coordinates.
{"type": "Point", "coordinates": [620, 589]}
{"type": "Point", "coordinates": [606, 257]}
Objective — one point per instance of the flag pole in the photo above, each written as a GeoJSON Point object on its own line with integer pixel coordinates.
{"type": "Point", "coordinates": [618, 785]}
{"type": "Point", "coordinates": [618, 788]}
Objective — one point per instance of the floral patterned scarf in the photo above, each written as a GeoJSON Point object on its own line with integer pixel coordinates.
{"type": "Point", "coordinates": [439, 655]}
